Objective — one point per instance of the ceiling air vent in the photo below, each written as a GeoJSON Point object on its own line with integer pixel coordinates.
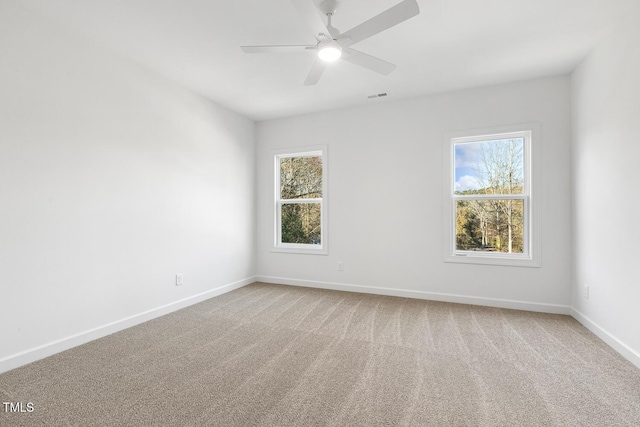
{"type": "Point", "coordinates": [377, 95]}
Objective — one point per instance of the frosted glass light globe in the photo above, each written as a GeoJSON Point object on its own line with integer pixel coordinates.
{"type": "Point", "coordinates": [329, 51]}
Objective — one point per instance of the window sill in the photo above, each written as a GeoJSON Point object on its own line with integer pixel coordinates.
{"type": "Point", "coordinates": [304, 250]}
{"type": "Point", "coordinates": [509, 261]}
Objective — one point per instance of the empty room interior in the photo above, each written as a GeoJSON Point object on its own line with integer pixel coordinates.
{"type": "Point", "coordinates": [205, 221]}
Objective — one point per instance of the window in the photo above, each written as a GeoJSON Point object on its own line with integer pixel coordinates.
{"type": "Point", "coordinates": [489, 215]}
{"type": "Point", "coordinates": [300, 202]}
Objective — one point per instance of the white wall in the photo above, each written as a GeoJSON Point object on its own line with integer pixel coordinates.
{"type": "Point", "coordinates": [385, 197]}
{"type": "Point", "coordinates": [606, 110]}
{"type": "Point", "coordinates": [112, 180]}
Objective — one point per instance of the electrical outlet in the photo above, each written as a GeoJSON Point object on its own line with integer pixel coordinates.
{"type": "Point", "coordinates": [340, 266]}
{"type": "Point", "coordinates": [178, 279]}
{"type": "Point", "coordinates": [586, 291]}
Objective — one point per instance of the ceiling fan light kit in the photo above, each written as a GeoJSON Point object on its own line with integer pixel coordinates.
{"type": "Point", "coordinates": [329, 51]}
{"type": "Point", "coordinates": [337, 45]}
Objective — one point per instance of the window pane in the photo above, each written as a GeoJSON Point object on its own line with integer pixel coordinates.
{"type": "Point", "coordinates": [301, 223]}
{"type": "Point", "coordinates": [301, 177]}
{"type": "Point", "coordinates": [490, 225]}
{"type": "Point", "coordinates": [489, 167]}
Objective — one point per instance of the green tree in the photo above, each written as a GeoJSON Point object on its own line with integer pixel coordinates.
{"type": "Point", "coordinates": [301, 180]}
{"type": "Point", "coordinates": [500, 171]}
{"type": "Point", "coordinates": [494, 220]}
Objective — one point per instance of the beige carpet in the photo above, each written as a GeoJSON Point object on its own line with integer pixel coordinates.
{"type": "Point", "coordinates": [279, 355]}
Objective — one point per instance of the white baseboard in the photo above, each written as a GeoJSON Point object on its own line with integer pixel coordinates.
{"type": "Point", "coordinates": [45, 350]}
{"type": "Point", "coordinates": [432, 296]}
{"type": "Point", "coordinates": [19, 359]}
{"type": "Point", "coordinates": [619, 346]}
{"type": "Point", "coordinates": [624, 350]}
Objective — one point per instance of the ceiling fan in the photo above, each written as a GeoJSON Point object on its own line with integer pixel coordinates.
{"type": "Point", "coordinates": [332, 44]}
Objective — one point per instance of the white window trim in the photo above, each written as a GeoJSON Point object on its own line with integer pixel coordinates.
{"type": "Point", "coordinates": [300, 248]}
{"type": "Point", "coordinates": [531, 257]}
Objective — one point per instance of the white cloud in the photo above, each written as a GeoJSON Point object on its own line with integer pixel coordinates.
{"type": "Point", "coordinates": [467, 155]}
{"type": "Point", "coordinates": [467, 182]}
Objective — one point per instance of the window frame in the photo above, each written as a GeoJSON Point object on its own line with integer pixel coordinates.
{"type": "Point", "coordinates": [530, 257]}
{"type": "Point", "coordinates": [300, 248]}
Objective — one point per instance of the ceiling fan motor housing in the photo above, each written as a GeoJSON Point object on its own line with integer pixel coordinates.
{"type": "Point", "coordinates": [328, 6]}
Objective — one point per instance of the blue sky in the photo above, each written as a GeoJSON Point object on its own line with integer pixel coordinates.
{"type": "Point", "coordinates": [466, 156]}
{"type": "Point", "coordinates": [468, 160]}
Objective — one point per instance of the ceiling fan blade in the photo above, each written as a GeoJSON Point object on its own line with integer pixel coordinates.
{"type": "Point", "coordinates": [311, 16]}
{"type": "Point", "coordinates": [367, 61]}
{"type": "Point", "coordinates": [387, 19]}
{"type": "Point", "coordinates": [277, 48]}
{"type": "Point", "coordinates": [316, 72]}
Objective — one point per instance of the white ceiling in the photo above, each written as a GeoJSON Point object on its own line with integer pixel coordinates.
{"type": "Point", "coordinates": [450, 45]}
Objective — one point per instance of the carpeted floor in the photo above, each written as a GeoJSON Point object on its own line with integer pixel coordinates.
{"type": "Point", "coordinates": [276, 355]}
